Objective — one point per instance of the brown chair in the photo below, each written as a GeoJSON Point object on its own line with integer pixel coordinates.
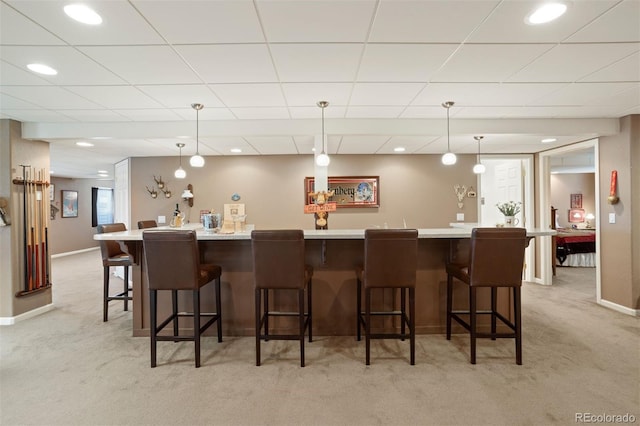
{"type": "Point", "coordinates": [146, 224]}
{"type": "Point", "coordinates": [278, 265]}
{"type": "Point", "coordinates": [113, 255]}
{"type": "Point", "coordinates": [496, 259]}
{"type": "Point", "coordinates": [173, 263]}
{"type": "Point", "coordinates": [390, 261]}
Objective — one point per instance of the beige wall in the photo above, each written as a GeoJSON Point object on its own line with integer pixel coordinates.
{"type": "Point", "coordinates": [619, 244]}
{"type": "Point", "coordinates": [565, 184]}
{"type": "Point", "coordinates": [417, 188]}
{"type": "Point", "coordinates": [73, 233]}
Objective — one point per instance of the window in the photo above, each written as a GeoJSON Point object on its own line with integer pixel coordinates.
{"type": "Point", "coordinates": [101, 206]}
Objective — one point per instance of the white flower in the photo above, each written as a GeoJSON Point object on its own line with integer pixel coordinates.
{"type": "Point", "coordinates": [509, 208]}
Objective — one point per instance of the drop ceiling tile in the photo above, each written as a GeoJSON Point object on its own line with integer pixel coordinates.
{"type": "Point", "coordinates": [115, 96]}
{"type": "Point", "coordinates": [316, 62]}
{"type": "Point", "coordinates": [261, 113]}
{"type": "Point", "coordinates": [572, 62]}
{"type": "Point", "coordinates": [308, 94]}
{"type": "Point", "coordinates": [488, 62]}
{"type": "Point", "coordinates": [93, 115]}
{"type": "Point", "coordinates": [426, 112]}
{"type": "Point", "coordinates": [9, 102]}
{"type": "Point", "coordinates": [249, 95]}
{"type": "Point", "coordinates": [217, 21]}
{"type": "Point", "coordinates": [428, 21]}
{"type": "Point", "coordinates": [374, 111]}
{"type": "Point", "coordinates": [332, 111]}
{"type": "Point", "coordinates": [484, 94]}
{"type": "Point", "coordinates": [121, 23]}
{"type": "Point", "coordinates": [207, 113]}
{"type": "Point", "coordinates": [11, 75]}
{"type": "Point", "coordinates": [582, 93]}
{"type": "Point", "coordinates": [403, 62]}
{"type": "Point", "coordinates": [16, 29]}
{"type": "Point", "coordinates": [182, 95]}
{"type": "Point", "coordinates": [619, 24]}
{"type": "Point", "coordinates": [384, 94]}
{"type": "Point", "coordinates": [246, 63]}
{"type": "Point", "coordinates": [621, 101]}
{"type": "Point", "coordinates": [143, 64]}
{"type": "Point", "coordinates": [626, 69]}
{"type": "Point", "coordinates": [349, 20]}
{"type": "Point", "coordinates": [365, 144]}
{"type": "Point", "coordinates": [35, 115]}
{"type": "Point", "coordinates": [507, 22]}
{"type": "Point", "coordinates": [304, 144]}
{"type": "Point", "coordinates": [273, 145]}
{"type": "Point", "coordinates": [73, 67]}
{"type": "Point", "coordinates": [224, 145]}
{"type": "Point", "coordinates": [49, 97]}
{"type": "Point", "coordinates": [149, 114]}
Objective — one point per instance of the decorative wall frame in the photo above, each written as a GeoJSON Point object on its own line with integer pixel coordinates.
{"type": "Point", "coordinates": [576, 215]}
{"type": "Point", "coordinates": [576, 201]}
{"type": "Point", "coordinates": [69, 203]}
{"type": "Point", "coordinates": [349, 191]}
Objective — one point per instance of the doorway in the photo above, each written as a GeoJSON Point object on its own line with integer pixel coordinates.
{"type": "Point", "coordinates": [548, 164]}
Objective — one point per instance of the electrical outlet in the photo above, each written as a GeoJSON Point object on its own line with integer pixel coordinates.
{"type": "Point", "coordinates": [460, 217]}
{"type": "Point", "coordinates": [612, 218]}
{"type": "Point", "coordinates": [162, 219]}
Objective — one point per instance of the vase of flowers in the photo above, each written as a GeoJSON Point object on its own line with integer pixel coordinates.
{"type": "Point", "coordinates": [510, 209]}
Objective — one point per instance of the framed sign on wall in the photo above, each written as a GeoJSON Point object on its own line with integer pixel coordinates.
{"type": "Point", "coordinates": [348, 191]}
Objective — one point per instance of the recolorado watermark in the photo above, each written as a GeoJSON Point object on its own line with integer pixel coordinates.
{"type": "Point", "coordinates": [605, 418]}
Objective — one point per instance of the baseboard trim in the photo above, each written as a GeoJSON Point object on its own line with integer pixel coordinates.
{"type": "Point", "coordinates": [619, 308]}
{"type": "Point", "coordinates": [35, 312]}
{"type": "Point", "coordinates": [70, 253]}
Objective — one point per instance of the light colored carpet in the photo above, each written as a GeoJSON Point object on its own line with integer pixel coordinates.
{"type": "Point", "coordinates": [67, 367]}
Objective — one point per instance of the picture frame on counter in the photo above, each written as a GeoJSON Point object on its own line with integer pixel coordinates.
{"type": "Point", "coordinates": [349, 191]}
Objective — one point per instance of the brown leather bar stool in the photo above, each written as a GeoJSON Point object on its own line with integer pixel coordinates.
{"type": "Point", "coordinates": [112, 255]}
{"type": "Point", "coordinates": [390, 261]}
{"type": "Point", "coordinates": [496, 259]}
{"type": "Point", "coordinates": [146, 224]}
{"type": "Point", "coordinates": [173, 263]}
{"type": "Point", "coordinates": [278, 265]}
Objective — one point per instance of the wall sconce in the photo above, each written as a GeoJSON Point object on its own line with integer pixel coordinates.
{"type": "Point", "coordinates": [152, 192]}
{"type": "Point", "coordinates": [187, 195]}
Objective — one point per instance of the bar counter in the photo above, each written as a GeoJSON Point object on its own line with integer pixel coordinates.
{"type": "Point", "coordinates": [333, 253]}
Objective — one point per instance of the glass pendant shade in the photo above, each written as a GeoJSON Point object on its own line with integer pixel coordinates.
{"type": "Point", "coordinates": [323, 160]}
{"type": "Point", "coordinates": [196, 160]}
{"type": "Point", "coordinates": [449, 159]}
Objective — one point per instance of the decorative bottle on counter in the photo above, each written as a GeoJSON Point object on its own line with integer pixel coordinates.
{"type": "Point", "coordinates": [176, 222]}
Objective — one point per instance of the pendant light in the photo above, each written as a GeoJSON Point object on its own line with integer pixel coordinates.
{"type": "Point", "coordinates": [197, 160]}
{"type": "Point", "coordinates": [180, 173]}
{"type": "Point", "coordinates": [479, 168]}
{"type": "Point", "coordinates": [323, 159]}
{"type": "Point", "coordinates": [449, 158]}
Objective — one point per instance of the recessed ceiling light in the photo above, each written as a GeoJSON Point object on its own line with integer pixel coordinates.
{"type": "Point", "coordinates": [103, 174]}
{"type": "Point", "coordinates": [548, 140]}
{"type": "Point", "coordinates": [42, 69]}
{"type": "Point", "coordinates": [102, 171]}
{"type": "Point", "coordinates": [546, 13]}
{"type": "Point", "coordinates": [84, 144]}
{"type": "Point", "coordinates": [101, 138]}
{"type": "Point", "coordinates": [235, 150]}
{"type": "Point", "coordinates": [313, 149]}
{"type": "Point", "coordinates": [82, 13]}
{"type": "Point", "coordinates": [51, 172]}
{"type": "Point", "coordinates": [399, 149]}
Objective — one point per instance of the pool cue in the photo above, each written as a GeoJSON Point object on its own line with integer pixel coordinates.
{"type": "Point", "coordinates": [24, 226]}
{"type": "Point", "coordinates": [36, 222]}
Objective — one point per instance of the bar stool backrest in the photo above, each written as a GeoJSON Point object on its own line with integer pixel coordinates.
{"type": "Point", "coordinates": [390, 257]}
{"type": "Point", "coordinates": [110, 249]}
{"type": "Point", "coordinates": [497, 257]}
{"type": "Point", "coordinates": [172, 258]}
{"type": "Point", "coordinates": [278, 258]}
{"type": "Point", "coordinates": [144, 224]}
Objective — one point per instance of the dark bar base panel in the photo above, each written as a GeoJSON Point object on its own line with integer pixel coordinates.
{"type": "Point", "coordinates": [334, 289]}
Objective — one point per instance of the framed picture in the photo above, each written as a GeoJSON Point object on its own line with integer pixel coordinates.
{"type": "Point", "coordinates": [69, 203]}
{"type": "Point", "coordinates": [576, 215]}
{"type": "Point", "coordinates": [576, 201]}
{"type": "Point", "coordinates": [349, 191]}
{"type": "Point", "coordinates": [52, 192]}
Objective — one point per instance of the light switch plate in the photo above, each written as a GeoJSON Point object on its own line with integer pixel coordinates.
{"type": "Point", "coordinates": [162, 219]}
{"type": "Point", "coordinates": [612, 218]}
{"type": "Point", "coordinates": [460, 217]}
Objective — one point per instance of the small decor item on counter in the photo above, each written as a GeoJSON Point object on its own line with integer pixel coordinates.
{"type": "Point", "coordinates": [510, 209]}
{"type": "Point", "coordinates": [178, 218]}
{"type": "Point", "coordinates": [211, 222]}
